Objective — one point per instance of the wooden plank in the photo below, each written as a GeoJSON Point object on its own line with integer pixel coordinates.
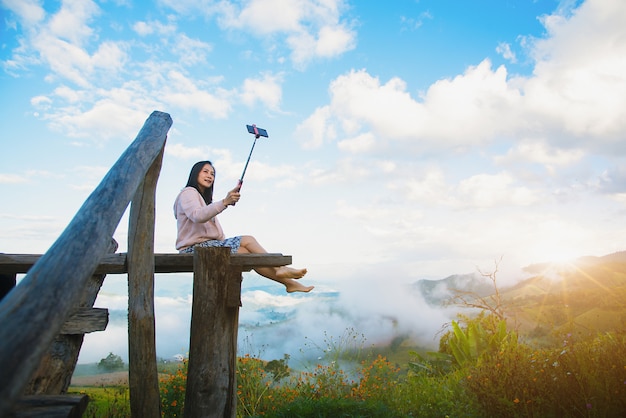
{"type": "Point", "coordinates": [163, 262]}
{"type": "Point", "coordinates": [17, 263]}
{"type": "Point", "coordinates": [211, 378]}
{"type": "Point", "coordinates": [46, 296]}
{"type": "Point", "coordinates": [143, 378]}
{"type": "Point", "coordinates": [84, 321]}
{"type": "Point", "coordinates": [51, 406]}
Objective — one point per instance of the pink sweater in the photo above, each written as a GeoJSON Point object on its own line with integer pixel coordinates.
{"type": "Point", "coordinates": [195, 219]}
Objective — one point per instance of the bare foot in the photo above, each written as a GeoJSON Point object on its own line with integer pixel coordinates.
{"type": "Point", "coordinates": [294, 286]}
{"type": "Point", "coordinates": [285, 272]}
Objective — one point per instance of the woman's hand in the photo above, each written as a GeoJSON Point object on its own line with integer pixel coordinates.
{"type": "Point", "coordinates": [232, 197]}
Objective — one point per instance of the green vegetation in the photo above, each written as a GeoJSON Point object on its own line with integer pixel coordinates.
{"type": "Point", "coordinates": [484, 367]}
{"type": "Point", "coordinates": [109, 401]}
{"type": "Point", "coordinates": [490, 374]}
{"type": "Point", "coordinates": [111, 363]}
{"type": "Point", "coordinates": [496, 377]}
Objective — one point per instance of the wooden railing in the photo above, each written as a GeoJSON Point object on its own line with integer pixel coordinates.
{"type": "Point", "coordinates": [63, 283]}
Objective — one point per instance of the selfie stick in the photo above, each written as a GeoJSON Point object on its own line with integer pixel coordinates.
{"type": "Point", "coordinates": [257, 133]}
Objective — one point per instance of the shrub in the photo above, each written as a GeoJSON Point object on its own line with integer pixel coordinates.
{"type": "Point", "coordinates": [110, 401]}
{"type": "Point", "coordinates": [587, 378]}
{"type": "Point", "coordinates": [377, 379]}
{"type": "Point", "coordinates": [253, 385]}
{"type": "Point", "coordinates": [111, 363]}
{"type": "Point", "coordinates": [425, 395]}
{"type": "Point", "coordinates": [172, 388]}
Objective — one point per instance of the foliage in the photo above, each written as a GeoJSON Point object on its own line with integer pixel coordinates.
{"type": "Point", "coordinates": [109, 401]}
{"type": "Point", "coordinates": [278, 368]}
{"type": "Point", "coordinates": [585, 378]}
{"type": "Point", "coordinates": [425, 395]}
{"type": "Point", "coordinates": [377, 379]}
{"type": "Point", "coordinates": [111, 363]}
{"type": "Point", "coordinates": [469, 344]}
{"type": "Point", "coordinates": [431, 363]}
{"type": "Point", "coordinates": [172, 387]}
{"type": "Point", "coordinates": [253, 385]}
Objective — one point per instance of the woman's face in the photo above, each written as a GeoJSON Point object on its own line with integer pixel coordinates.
{"type": "Point", "coordinates": [206, 177]}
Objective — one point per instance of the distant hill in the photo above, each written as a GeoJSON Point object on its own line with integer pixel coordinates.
{"type": "Point", "coordinates": [438, 292]}
{"type": "Point", "coordinates": [602, 274]}
{"type": "Point", "coordinates": [580, 298]}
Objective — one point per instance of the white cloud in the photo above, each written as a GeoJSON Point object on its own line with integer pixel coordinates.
{"type": "Point", "coordinates": [577, 91]}
{"type": "Point", "coordinates": [143, 28]}
{"type": "Point", "coordinates": [12, 179]}
{"type": "Point", "coordinates": [63, 42]}
{"type": "Point", "coordinates": [267, 90]}
{"type": "Point", "coordinates": [428, 187]}
{"type": "Point", "coordinates": [276, 15]}
{"type": "Point", "coordinates": [316, 129]}
{"type": "Point", "coordinates": [412, 23]}
{"type": "Point", "coordinates": [183, 92]}
{"type": "Point", "coordinates": [191, 51]}
{"type": "Point", "coordinates": [328, 42]}
{"type": "Point", "coordinates": [70, 23]}
{"type": "Point", "coordinates": [467, 110]}
{"type": "Point", "coordinates": [155, 27]}
{"type": "Point", "coordinates": [256, 299]}
{"type": "Point", "coordinates": [579, 82]}
{"type": "Point", "coordinates": [541, 153]}
{"type": "Point", "coordinates": [504, 49]}
{"type": "Point", "coordinates": [181, 151]}
{"type": "Point", "coordinates": [29, 11]}
{"type": "Point", "coordinates": [312, 28]}
{"type": "Point", "coordinates": [361, 143]}
{"type": "Point", "coordinates": [74, 122]}
{"type": "Point", "coordinates": [65, 59]}
{"type": "Point", "coordinates": [497, 190]}
{"type": "Point", "coordinates": [41, 102]}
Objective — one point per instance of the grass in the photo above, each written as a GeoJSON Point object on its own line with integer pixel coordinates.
{"type": "Point", "coordinates": [105, 401]}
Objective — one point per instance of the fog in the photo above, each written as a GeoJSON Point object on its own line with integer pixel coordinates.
{"type": "Point", "coordinates": [370, 311]}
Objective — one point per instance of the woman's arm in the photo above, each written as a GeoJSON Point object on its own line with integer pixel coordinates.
{"type": "Point", "coordinates": [195, 209]}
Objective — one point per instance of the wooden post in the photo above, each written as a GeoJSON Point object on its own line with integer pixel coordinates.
{"type": "Point", "coordinates": [143, 376]}
{"type": "Point", "coordinates": [211, 378]}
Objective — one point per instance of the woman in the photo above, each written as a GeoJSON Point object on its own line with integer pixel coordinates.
{"type": "Point", "coordinates": [196, 216]}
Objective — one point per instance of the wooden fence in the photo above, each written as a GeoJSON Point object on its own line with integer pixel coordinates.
{"type": "Point", "coordinates": [46, 315]}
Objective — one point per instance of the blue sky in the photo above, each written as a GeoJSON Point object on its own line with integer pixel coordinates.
{"type": "Point", "coordinates": [407, 139]}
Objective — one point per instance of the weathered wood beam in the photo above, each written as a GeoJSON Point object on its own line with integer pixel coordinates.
{"type": "Point", "coordinates": [51, 406]}
{"type": "Point", "coordinates": [86, 320]}
{"type": "Point", "coordinates": [163, 262]}
{"type": "Point", "coordinates": [143, 376]}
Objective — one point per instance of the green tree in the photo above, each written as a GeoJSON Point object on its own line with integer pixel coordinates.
{"type": "Point", "coordinates": [111, 363]}
{"type": "Point", "coordinates": [278, 368]}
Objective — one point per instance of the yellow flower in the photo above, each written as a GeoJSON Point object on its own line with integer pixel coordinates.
{"type": "Point", "coordinates": [516, 400]}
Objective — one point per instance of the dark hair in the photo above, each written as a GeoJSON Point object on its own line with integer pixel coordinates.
{"type": "Point", "coordinates": [193, 181]}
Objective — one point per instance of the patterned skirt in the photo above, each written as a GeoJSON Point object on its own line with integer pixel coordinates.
{"type": "Point", "coordinates": [233, 243]}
